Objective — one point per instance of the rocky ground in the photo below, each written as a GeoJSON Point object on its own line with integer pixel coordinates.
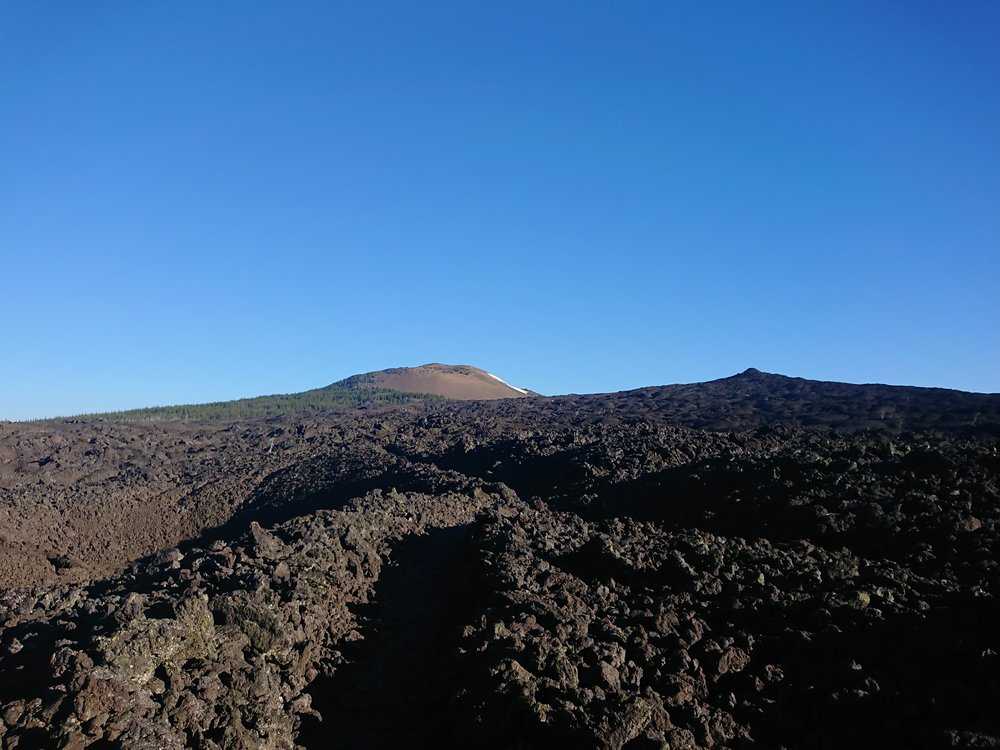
{"type": "Point", "coordinates": [755, 562]}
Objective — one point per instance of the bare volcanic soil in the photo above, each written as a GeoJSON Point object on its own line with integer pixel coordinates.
{"type": "Point", "coordinates": [756, 562]}
{"type": "Point", "coordinates": [455, 382]}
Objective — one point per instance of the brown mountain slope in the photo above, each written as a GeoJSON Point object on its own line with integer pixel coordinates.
{"type": "Point", "coordinates": [458, 382]}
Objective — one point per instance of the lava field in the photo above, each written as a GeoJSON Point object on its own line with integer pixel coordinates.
{"type": "Point", "coordinates": [755, 562]}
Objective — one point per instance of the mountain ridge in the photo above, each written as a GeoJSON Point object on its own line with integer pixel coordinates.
{"type": "Point", "coordinates": [393, 386]}
{"type": "Point", "coordinates": [748, 398]}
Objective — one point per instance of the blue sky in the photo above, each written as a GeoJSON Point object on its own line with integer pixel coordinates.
{"type": "Point", "coordinates": [202, 201]}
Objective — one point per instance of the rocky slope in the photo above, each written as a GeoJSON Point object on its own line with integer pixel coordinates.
{"type": "Point", "coordinates": [754, 562]}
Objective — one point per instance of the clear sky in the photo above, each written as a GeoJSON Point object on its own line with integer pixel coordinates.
{"type": "Point", "coordinates": [201, 201]}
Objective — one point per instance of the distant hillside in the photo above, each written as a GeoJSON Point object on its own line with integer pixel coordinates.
{"type": "Point", "coordinates": [453, 382]}
{"type": "Point", "coordinates": [319, 399]}
{"type": "Point", "coordinates": [434, 382]}
{"type": "Point", "coordinates": [754, 399]}
{"type": "Point", "coordinates": [746, 401]}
